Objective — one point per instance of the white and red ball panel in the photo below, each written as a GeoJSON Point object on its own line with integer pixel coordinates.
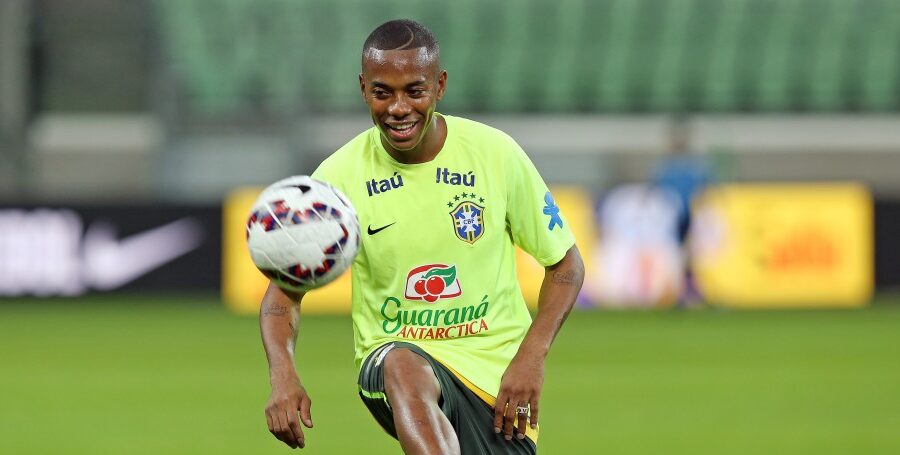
{"type": "Point", "coordinates": [302, 233]}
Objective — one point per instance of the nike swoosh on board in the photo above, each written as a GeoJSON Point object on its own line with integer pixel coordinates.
{"type": "Point", "coordinates": [375, 231]}
{"type": "Point", "coordinates": [110, 263]}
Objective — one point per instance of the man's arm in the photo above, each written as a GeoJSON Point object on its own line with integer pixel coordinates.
{"type": "Point", "coordinates": [523, 379]}
{"type": "Point", "coordinates": [279, 318]}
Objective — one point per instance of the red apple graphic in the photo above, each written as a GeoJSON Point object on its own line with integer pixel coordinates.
{"type": "Point", "coordinates": [430, 298]}
{"type": "Point", "coordinates": [435, 285]}
{"type": "Point", "coordinates": [420, 287]}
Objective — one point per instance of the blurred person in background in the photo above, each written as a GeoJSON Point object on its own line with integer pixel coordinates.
{"type": "Point", "coordinates": [450, 359]}
{"type": "Point", "coordinates": [685, 174]}
{"type": "Point", "coordinates": [638, 261]}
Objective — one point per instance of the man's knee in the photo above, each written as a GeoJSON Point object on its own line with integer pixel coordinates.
{"type": "Point", "coordinates": [408, 376]}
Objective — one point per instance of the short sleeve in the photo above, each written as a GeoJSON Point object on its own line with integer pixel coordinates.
{"type": "Point", "coordinates": [327, 172]}
{"type": "Point", "coordinates": [535, 221]}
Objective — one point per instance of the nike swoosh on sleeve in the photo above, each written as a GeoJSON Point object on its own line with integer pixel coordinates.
{"type": "Point", "coordinates": [110, 263]}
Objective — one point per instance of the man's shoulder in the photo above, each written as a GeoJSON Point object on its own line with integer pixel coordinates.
{"type": "Point", "coordinates": [468, 127]}
{"type": "Point", "coordinates": [354, 148]}
{"type": "Point", "coordinates": [486, 138]}
{"type": "Point", "coordinates": [347, 156]}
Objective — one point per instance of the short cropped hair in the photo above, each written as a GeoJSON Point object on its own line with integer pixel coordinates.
{"type": "Point", "coordinates": [401, 34]}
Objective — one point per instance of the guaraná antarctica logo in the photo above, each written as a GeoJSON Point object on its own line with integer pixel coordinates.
{"type": "Point", "coordinates": [428, 323]}
{"type": "Point", "coordinates": [467, 217]}
{"type": "Point", "coordinates": [431, 282]}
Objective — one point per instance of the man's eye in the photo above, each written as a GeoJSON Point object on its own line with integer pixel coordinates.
{"type": "Point", "coordinates": [416, 92]}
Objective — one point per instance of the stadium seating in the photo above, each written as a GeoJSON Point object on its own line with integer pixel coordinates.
{"type": "Point", "coordinates": [550, 56]}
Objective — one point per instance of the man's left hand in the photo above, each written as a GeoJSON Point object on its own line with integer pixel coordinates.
{"type": "Point", "coordinates": [520, 387]}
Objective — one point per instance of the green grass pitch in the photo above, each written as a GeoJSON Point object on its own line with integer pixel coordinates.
{"type": "Point", "coordinates": [119, 375]}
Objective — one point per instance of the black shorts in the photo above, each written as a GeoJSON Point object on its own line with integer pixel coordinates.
{"type": "Point", "coordinates": [472, 419]}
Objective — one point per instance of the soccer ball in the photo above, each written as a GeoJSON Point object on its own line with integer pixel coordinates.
{"type": "Point", "coordinates": [302, 233]}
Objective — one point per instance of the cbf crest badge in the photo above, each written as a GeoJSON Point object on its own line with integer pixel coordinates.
{"type": "Point", "coordinates": [468, 221]}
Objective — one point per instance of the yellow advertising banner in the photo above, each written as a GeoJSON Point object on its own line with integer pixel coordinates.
{"type": "Point", "coordinates": [784, 245]}
{"type": "Point", "coordinates": [243, 285]}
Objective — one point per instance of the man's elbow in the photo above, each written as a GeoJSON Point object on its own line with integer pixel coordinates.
{"type": "Point", "coordinates": [569, 270]}
{"type": "Point", "coordinates": [577, 264]}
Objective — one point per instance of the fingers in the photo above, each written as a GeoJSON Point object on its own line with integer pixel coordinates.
{"type": "Point", "coordinates": [296, 432]}
{"type": "Point", "coordinates": [508, 417]}
{"type": "Point", "coordinates": [499, 411]}
{"type": "Point", "coordinates": [286, 409]}
{"type": "Point", "coordinates": [305, 415]}
{"type": "Point", "coordinates": [521, 424]}
{"type": "Point", "coordinates": [282, 429]}
{"type": "Point", "coordinates": [285, 426]}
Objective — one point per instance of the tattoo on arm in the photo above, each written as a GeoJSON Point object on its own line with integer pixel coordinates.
{"type": "Point", "coordinates": [566, 278]}
{"type": "Point", "coordinates": [276, 309]}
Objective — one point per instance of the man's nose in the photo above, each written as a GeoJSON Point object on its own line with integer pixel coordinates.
{"type": "Point", "coordinates": [400, 107]}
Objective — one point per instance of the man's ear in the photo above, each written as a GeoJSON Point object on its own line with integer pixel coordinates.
{"type": "Point", "coordinates": [362, 86]}
{"type": "Point", "coordinates": [442, 84]}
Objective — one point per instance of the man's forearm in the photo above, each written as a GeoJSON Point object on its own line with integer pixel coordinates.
{"type": "Point", "coordinates": [279, 317]}
{"type": "Point", "coordinates": [560, 288]}
{"type": "Point", "coordinates": [288, 404]}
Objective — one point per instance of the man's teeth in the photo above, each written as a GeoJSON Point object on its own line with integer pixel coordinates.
{"type": "Point", "coordinates": [403, 126]}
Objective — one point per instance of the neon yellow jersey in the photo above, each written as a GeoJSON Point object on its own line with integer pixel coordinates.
{"type": "Point", "coordinates": [436, 265]}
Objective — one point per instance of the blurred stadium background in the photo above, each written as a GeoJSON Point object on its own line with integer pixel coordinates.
{"type": "Point", "coordinates": [133, 135]}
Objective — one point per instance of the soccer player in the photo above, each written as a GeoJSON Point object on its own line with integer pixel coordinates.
{"type": "Point", "coordinates": [450, 359]}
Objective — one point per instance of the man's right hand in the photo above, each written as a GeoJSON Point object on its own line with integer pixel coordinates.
{"type": "Point", "coordinates": [289, 398]}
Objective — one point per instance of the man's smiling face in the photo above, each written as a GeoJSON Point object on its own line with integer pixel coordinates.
{"type": "Point", "coordinates": [402, 88]}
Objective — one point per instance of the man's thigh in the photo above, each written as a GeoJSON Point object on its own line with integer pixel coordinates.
{"type": "Point", "coordinates": [471, 418]}
{"type": "Point", "coordinates": [409, 377]}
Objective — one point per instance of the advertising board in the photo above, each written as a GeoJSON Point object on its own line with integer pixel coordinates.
{"type": "Point", "coordinates": [80, 249]}
{"type": "Point", "coordinates": [785, 245]}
